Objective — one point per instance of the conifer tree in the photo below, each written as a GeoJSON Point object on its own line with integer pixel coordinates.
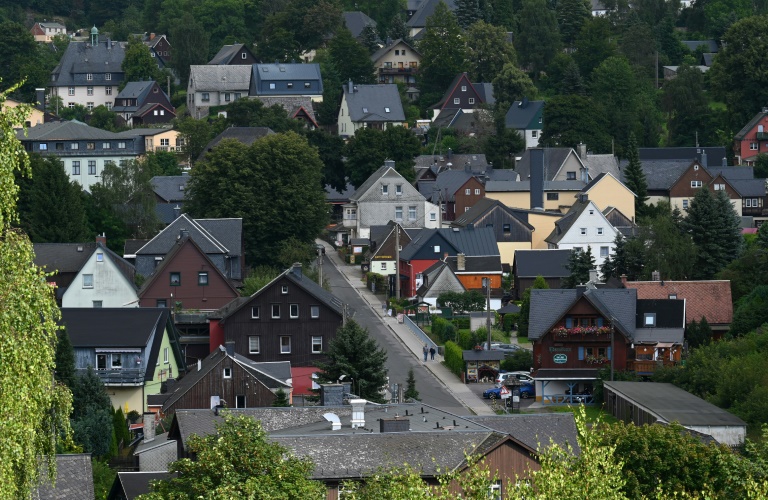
{"type": "Point", "coordinates": [525, 305]}
{"type": "Point", "coordinates": [467, 12]}
{"type": "Point", "coordinates": [399, 30]}
{"type": "Point", "coordinates": [281, 398]}
{"type": "Point", "coordinates": [713, 226]}
{"type": "Point", "coordinates": [369, 38]}
{"type": "Point", "coordinates": [65, 360]}
{"type": "Point", "coordinates": [580, 263]}
{"type": "Point", "coordinates": [411, 392]}
{"type": "Point", "coordinates": [571, 16]}
{"type": "Point", "coordinates": [442, 54]}
{"type": "Point", "coordinates": [635, 177]}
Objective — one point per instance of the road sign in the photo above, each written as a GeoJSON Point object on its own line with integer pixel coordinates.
{"type": "Point", "coordinates": [504, 392]}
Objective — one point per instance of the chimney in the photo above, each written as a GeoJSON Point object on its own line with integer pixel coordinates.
{"type": "Point", "coordinates": [537, 178]}
{"type": "Point", "coordinates": [467, 167]}
{"type": "Point", "coordinates": [351, 86]}
{"type": "Point", "coordinates": [624, 280]}
{"type": "Point", "coordinates": [149, 426]}
{"type": "Point", "coordinates": [331, 394]}
{"type": "Point", "coordinates": [109, 45]}
{"type": "Point", "coordinates": [389, 163]}
{"type": "Point", "coordinates": [176, 211]}
{"type": "Point", "coordinates": [40, 97]}
{"type": "Point", "coordinates": [450, 154]}
{"type": "Point", "coordinates": [102, 238]}
{"type": "Point", "coordinates": [581, 150]}
{"type": "Point", "coordinates": [703, 158]}
{"type": "Point", "coordinates": [461, 262]}
{"type": "Point", "coordinates": [593, 276]}
{"type": "Point", "coordinates": [230, 346]}
{"type": "Point", "coordinates": [583, 197]}
{"type": "Point", "coordinates": [655, 276]}
{"type": "Point", "coordinates": [358, 413]}
{"type": "Point", "coordinates": [151, 36]}
{"type": "Point", "coordinates": [297, 270]}
{"type": "Point", "coordinates": [725, 161]}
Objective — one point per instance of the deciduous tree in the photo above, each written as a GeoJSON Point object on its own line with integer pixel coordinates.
{"type": "Point", "coordinates": [594, 44]}
{"type": "Point", "coordinates": [138, 63]}
{"type": "Point", "coordinates": [190, 46]}
{"type": "Point", "coordinates": [488, 51]}
{"type": "Point", "coordinates": [538, 39]}
{"type": "Point", "coordinates": [350, 58]}
{"type": "Point", "coordinates": [687, 107]}
{"type": "Point", "coordinates": [442, 54]}
{"type": "Point", "coordinates": [570, 120]}
{"type": "Point", "coordinates": [355, 354]}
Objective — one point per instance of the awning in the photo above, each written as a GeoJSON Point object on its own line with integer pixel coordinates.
{"type": "Point", "coordinates": [118, 350]}
{"type": "Point", "coordinates": [663, 345]}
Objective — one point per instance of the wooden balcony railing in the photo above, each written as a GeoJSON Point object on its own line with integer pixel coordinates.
{"type": "Point", "coordinates": [648, 366]}
{"type": "Point", "coordinates": [120, 376]}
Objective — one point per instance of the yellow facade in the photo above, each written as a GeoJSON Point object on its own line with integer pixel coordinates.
{"type": "Point", "coordinates": [522, 199]}
{"type": "Point", "coordinates": [35, 116]}
{"type": "Point", "coordinates": [507, 250]}
{"type": "Point", "coordinates": [163, 141]}
{"type": "Point", "coordinates": [611, 192]}
{"type": "Point", "coordinates": [543, 224]}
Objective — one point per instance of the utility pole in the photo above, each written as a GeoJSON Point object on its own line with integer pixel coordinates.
{"type": "Point", "coordinates": [487, 284]}
{"type": "Point", "coordinates": [397, 260]}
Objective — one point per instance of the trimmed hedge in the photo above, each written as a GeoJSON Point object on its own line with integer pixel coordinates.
{"type": "Point", "coordinates": [443, 329]}
{"type": "Point", "coordinates": [454, 358]}
{"type": "Point", "coordinates": [381, 282]}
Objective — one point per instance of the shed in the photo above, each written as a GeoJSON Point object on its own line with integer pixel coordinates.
{"type": "Point", "coordinates": [479, 363]}
{"type": "Point", "coordinates": [649, 402]}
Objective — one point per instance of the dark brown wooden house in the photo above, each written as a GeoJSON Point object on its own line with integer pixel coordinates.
{"type": "Point", "coordinates": [229, 380]}
{"type": "Point", "coordinates": [291, 319]}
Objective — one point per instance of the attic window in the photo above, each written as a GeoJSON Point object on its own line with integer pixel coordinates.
{"type": "Point", "coordinates": [243, 55]}
{"type": "Point", "coordinates": [155, 90]}
{"type": "Point", "coordinates": [463, 88]}
{"type": "Point", "coordinates": [507, 228]}
{"type": "Point", "coordinates": [437, 248]}
{"type": "Point", "coordinates": [672, 296]}
{"type": "Point", "coordinates": [290, 85]}
{"type": "Point", "coordinates": [307, 85]}
{"type": "Point", "coordinates": [181, 188]}
{"type": "Point", "coordinates": [386, 110]}
{"type": "Point", "coordinates": [695, 167]}
{"type": "Point", "coordinates": [284, 289]}
{"type": "Point", "coordinates": [649, 319]}
{"type": "Point", "coordinates": [227, 372]}
{"type": "Point", "coordinates": [99, 257]}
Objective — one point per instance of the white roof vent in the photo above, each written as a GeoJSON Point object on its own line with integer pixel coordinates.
{"type": "Point", "coordinates": [358, 412]}
{"type": "Point", "coordinates": [334, 420]}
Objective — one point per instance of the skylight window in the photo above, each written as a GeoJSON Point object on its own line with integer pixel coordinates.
{"type": "Point", "coordinates": [365, 110]}
{"type": "Point", "coordinates": [386, 110]}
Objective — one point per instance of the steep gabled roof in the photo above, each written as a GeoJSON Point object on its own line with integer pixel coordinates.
{"type": "Point", "coordinates": [222, 77]}
{"type": "Point", "coordinates": [710, 299]}
{"type": "Point", "coordinates": [374, 103]}
{"type": "Point", "coordinates": [554, 159]}
{"type": "Point", "coordinates": [447, 184]}
{"type": "Point", "coordinates": [661, 175]}
{"type": "Point", "coordinates": [128, 326]}
{"type": "Point", "coordinates": [384, 50]}
{"type": "Point", "coordinates": [547, 263]}
{"type": "Point", "coordinates": [209, 234]}
{"type": "Point", "coordinates": [425, 10]}
{"type": "Point", "coordinates": [137, 90]}
{"type": "Point", "coordinates": [228, 52]}
{"type": "Point", "coordinates": [63, 257]}
{"type": "Point", "coordinates": [133, 484]}
{"type": "Point", "coordinates": [356, 22]}
{"type": "Point", "coordinates": [567, 221]}
{"type": "Point", "coordinates": [170, 187]}
{"type": "Point", "coordinates": [535, 431]}
{"type": "Point", "coordinates": [373, 179]}
{"type": "Point", "coordinates": [751, 124]}
{"type": "Point", "coordinates": [83, 58]}
{"type": "Point", "coordinates": [147, 108]}
{"type": "Point", "coordinates": [482, 207]}
{"type": "Point", "coordinates": [74, 479]}
{"type": "Point", "coordinates": [524, 115]}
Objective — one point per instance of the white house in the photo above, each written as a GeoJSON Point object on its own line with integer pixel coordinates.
{"type": "Point", "coordinates": [584, 226]}
{"type": "Point", "coordinates": [216, 85]}
{"type": "Point", "coordinates": [105, 280]}
{"type": "Point", "coordinates": [375, 106]}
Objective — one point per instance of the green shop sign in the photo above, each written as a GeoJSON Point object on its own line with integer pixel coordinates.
{"type": "Point", "coordinates": [560, 358]}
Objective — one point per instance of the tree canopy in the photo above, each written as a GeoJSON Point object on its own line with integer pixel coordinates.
{"type": "Point", "coordinates": [442, 54]}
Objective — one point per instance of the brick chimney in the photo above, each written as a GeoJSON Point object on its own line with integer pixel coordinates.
{"type": "Point", "coordinates": [461, 262]}
{"type": "Point", "coordinates": [102, 238]}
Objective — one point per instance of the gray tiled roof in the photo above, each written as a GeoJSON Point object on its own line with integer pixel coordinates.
{"type": "Point", "coordinates": [602, 164]}
{"type": "Point", "coordinates": [553, 160]}
{"type": "Point", "coordinates": [447, 184]}
{"type": "Point", "coordinates": [715, 154]}
{"type": "Point", "coordinates": [521, 114]}
{"type": "Point", "coordinates": [74, 479]}
{"type": "Point", "coordinates": [136, 90]}
{"type": "Point", "coordinates": [63, 257]}
{"type": "Point", "coordinates": [226, 53]}
{"type": "Point", "coordinates": [483, 206]}
{"type": "Point", "coordinates": [660, 174]}
{"type": "Point", "coordinates": [476, 264]}
{"type": "Point", "coordinates": [68, 131]}
{"type": "Point", "coordinates": [288, 71]}
{"type": "Point", "coordinates": [369, 103]}
{"type": "Point", "coordinates": [547, 263]}
{"type": "Point", "coordinates": [536, 431]}
{"type": "Point", "coordinates": [522, 186]}
{"type": "Point", "coordinates": [753, 188]}
{"type": "Point", "coordinates": [170, 187]}
{"type": "Point", "coordinates": [480, 241]}
{"type": "Point", "coordinates": [733, 173]}
{"type": "Point", "coordinates": [134, 484]}
{"type": "Point", "coordinates": [356, 22]}
{"type": "Point", "coordinates": [383, 51]}
{"type": "Point", "coordinates": [672, 404]}
{"type": "Point", "coordinates": [708, 58]}
{"type": "Point", "coordinates": [228, 232]}
{"type": "Point", "coordinates": [211, 235]}
{"type": "Point", "coordinates": [81, 58]}
{"type": "Point", "coordinates": [425, 10]}
{"type": "Point", "coordinates": [332, 195]}
{"type": "Point", "coordinates": [128, 326]}
{"type": "Point", "coordinates": [220, 78]}
{"type": "Point", "coordinates": [485, 91]}
{"type": "Point", "coordinates": [567, 221]}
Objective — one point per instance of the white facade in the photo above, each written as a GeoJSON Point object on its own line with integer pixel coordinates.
{"type": "Point", "coordinates": [531, 138]}
{"type": "Point", "coordinates": [100, 283]}
{"type": "Point", "coordinates": [89, 96]}
{"type": "Point", "coordinates": [591, 229]}
{"type": "Point", "coordinates": [86, 170]}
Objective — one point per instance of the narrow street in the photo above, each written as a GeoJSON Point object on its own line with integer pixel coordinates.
{"type": "Point", "coordinates": [399, 359]}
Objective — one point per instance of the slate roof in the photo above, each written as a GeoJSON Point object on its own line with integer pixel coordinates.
{"type": "Point", "coordinates": [245, 135]}
{"type": "Point", "coordinates": [547, 263]}
{"type": "Point", "coordinates": [133, 484]}
{"type": "Point", "coordinates": [63, 257]}
{"type": "Point", "coordinates": [226, 53]}
{"type": "Point", "coordinates": [567, 221]}
{"type": "Point", "coordinates": [74, 479]}
{"type": "Point", "coordinates": [710, 45]}
{"type": "Point", "coordinates": [446, 185]}
{"type": "Point", "coordinates": [708, 58]}
{"type": "Point", "coordinates": [553, 161]}
{"type": "Point", "coordinates": [383, 51]}
{"type": "Point", "coordinates": [482, 207]}
{"type": "Point", "coordinates": [602, 164]}
{"type": "Point", "coordinates": [426, 9]}
{"type": "Point", "coordinates": [752, 188]}
{"type": "Point", "coordinates": [551, 305]}
{"type": "Point", "coordinates": [476, 265]}
{"type": "Point", "coordinates": [138, 91]}
{"type": "Point", "coordinates": [536, 431]}
{"type": "Point", "coordinates": [734, 173]}
{"type": "Point", "coordinates": [369, 103]}
{"type": "Point", "coordinates": [432, 273]}
{"type": "Point", "coordinates": [750, 125]}
{"type": "Point", "coordinates": [715, 154]}
{"type": "Point", "coordinates": [372, 180]}
{"type": "Point", "coordinates": [132, 246]}
{"type": "Point", "coordinates": [672, 404]}
{"type": "Point", "coordinates": [211, 235]}
{"type": "Point", "coordinates": [220, 78]}
{"type": "Point", "coordinates": [661, 174]}
{"type": "Point", "coordinates": [170, 187]}
{"type": "Point", "coordinates": [292, 104]}
{"type": "Point", "coordinates": [128, 326]}
{"type": "Point", "coordinates": [472, 242]}
{"type": "Point", "coordinates": [148, 107]}
{"type": "Point", "coordinates": [710, 299]}
{"type": "Point", "coordinates": [266, 374]}
{"type": "Point", "coordinates": [333, 195]}
{"type": "Point", "coordinates": [288, 71]}
{"type": "Point", "coordinates": [524, 186]}
{"type": "Point", "coordinates": [485, 91]}
{"type": "Point", "coordinates": [356, 22]}
{"type": "Point", "coordinates": [68, 131]}
{"type": "Point", "coordinates": [81, 58]}
{"type": "Point", "coordinates": [522, 113]}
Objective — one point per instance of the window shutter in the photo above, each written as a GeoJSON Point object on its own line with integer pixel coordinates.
{"type": "Point", "coordinates": [581, 354]}
{"type": "Point", "coordinates": [599, 321]}
{"type": "Point", "coordinates": [609, 353]}
{"type": "Point", "coordinates": [569, 322]}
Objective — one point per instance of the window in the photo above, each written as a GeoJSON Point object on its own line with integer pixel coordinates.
{"type": "Point", "coordinates": [672, 296]}
{"type": "Point", "coordinates": [175, 279]}
{"type": "Point", "coordinates": [293, 311]}
{"type": "Point", "coordinates": [99, 257]}
{"type": "Point", "coordinates": [471, 100]}
{"type": "Point", "coordinates": [719, 187]}
{"type": "Point", "coordinates": [398, 213]}
{"type": "Point", "coordinates": [106, 145]}
{"type": "Point", "coordinates": [255, 310]}
{"type": "Point", "coordinates": [275, 311]}
{"type": "Point", "coordinates": [317, 344]}
{"type": "Point", "coordinates": [397, 52]}
{"type": "Point", "coordinates": [534, 134]}
{"type": "Point", "coordinates": [284, 289]}
{"type": "Point", "coordinates": [120, 145]}
{"type": "Point", "coordinates": [365, 110]}
{"type": "Point", "coordinates": [161, 303]}
{"type": "Point", "coordinates": [202, 279]}
{"type": "Point", "coordinates": [752, 145]}
{"type": "Point", "coordinates": [467, 191]}
{"type": "Point", "coordinates": [89, 76]}
{"type": "Point", "coordinates": [71, 105]}
{"type": "Point", "coordinates": [494, 491]}
{"type": "Point", "coordinates": [254, 344]}
{"type": "Point", "coordinates": [117, 360]}
{"type": "Point", "coordinates": [91, 167]}
{"type": "Point", "coordinates": [227, 372]}
{"type": "Point", "coordinates": [507, 228]}
{"type": "Point", "coordinates": [43, 147]}
{"type": "Point", "coordinates": [583, 231]}
{"type": "Point", "coordinates": [412, 213]}
{"type": "Point", "coordinates": [432, 216]}
{"type": "Point", "coordinates": [165, 355]}
{"type": "Point", "coordinates": [307, 85]}
{"type": "Point", "coordinates": [591, 212]}
{"type": "Point", "coordinates": [243, 55]}
{"type": "Point", "coordinates": [386, 110]}
{"type": "Point", "coordinates": [553, 196]}
{"type": "Point", "coordinates": [123, 163]}
{"type": "Point", "coordinates": [109, 104]}
{"type": "Point", "coordinates": [437, 248]}
{"type": "Point", "coordinates": [97, 304]}
{"type": "Point", "coordinates": [290, 85]}
{"type": "Point", "coordinates": [456, 100]}
{"type": "Point", "coordinates": [603, 252]}
{"type": "Point", "coordinates": [571, 176]}
{"type": "Point", "coordinates": [76, 167]}
{"type": "Point", "coordinates": [649, 319]}
{"type": "Point", "coordinates": [463, 88]}
{"type": "Point", "coordinates": [89, 91]}
{"type": "Point", "coordinates": [285, 344]}
{"type": "Point", "coordinates": [314, 312]}
{"type": "Point", "coordinates": [226, 98]}
{"type": "Point", "coordinates": [271, 86]}
{"type": "Point", "coordinates": [240, 401]}
{"type": "Point", "coordinates": [477, 191]}
{"type": "Point", "coordinates": [74, 145]}
{"type": "Point", "coordinates": [599, 230]}
{"type": "Point", "coordinates": [695, 184]}
{"type": "Point", "coordinates": [90, 145]}
{"type": "Point", "coordinates": [108, 90]}
{"type": "Point", "coordinates": [101, 361]}
{"type": "Point", "coordinates": [108, 76]}
{"type": "Point", "coordinates": [205, 96]}
{"type": "Point", "coordinates": [385, 189]}
{"type": "Point", "coordinates": [466, 209]}
{"type": "Point", "coordinates": [685, 204]}
{"type": "Point", "coordinates": [71, 91]}
{"type": "Point", "coordinates": [165, 142]}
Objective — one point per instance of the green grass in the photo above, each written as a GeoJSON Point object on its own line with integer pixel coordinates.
{"type": "Point", "coordinates": [593, 413]}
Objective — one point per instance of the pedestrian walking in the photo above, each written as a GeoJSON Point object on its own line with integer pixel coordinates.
{"type": "Point", "coordinates": [432, 353]}
{"type": "Point", "coordinates": [426, 351]}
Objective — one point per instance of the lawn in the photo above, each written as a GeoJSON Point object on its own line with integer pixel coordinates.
{"type": "Point", "coordinates": [593, 413]}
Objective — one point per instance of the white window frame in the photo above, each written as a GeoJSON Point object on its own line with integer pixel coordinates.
{"type": "Point", "coordinates": [88, 281]}
{"type": "Point", "coordinates": [71, 91]}
{"type": "Point", "coordinates": [89, 77]}
{"type": "Point", "coordinates": [456, 100]}
{"type": "Point", "coordinates": [471, 100]}
{"type": "Point", "coordinates": [99, 257]}
{"type": "Point", "coordinates": [272, 309]}
{"type": "Point", "coordinates": [383, 266]}
{"type": "Point", "coordinates": [437, 249]}
{"type": "Point", "coordinates": [254, 344]}
{"type": "Point", "coordinates": [255, 312]}
{"type": "Point", "coordinates": [752, 145]}
{"type": "Point", "coordinates": [227, 373]}
{"type": "Point", "coordinates": [685, 204]}
{"type": "Point", "coordinates": [285, 347]}
{"type": "Point", "coordinates": [165, 356]}
{"type": "Point", "coordinates": [604, 252]}
{"type": "Point", "coordinates": [463, 88]}
{"type": "Point", "coordinates": [293, 311]}
{"type": "Point", "coordinates": [314, 312]}
{"type": "Point", "coordinates": [477, 191]}
{"type": "Point", "coordinates": [108, 76]}
{"type": "Point", "coordinates": [398, 213]}
{"type": "Point", "coordinates": [108, 90]}
{"type": "Point", "coordinates": [583, 231]}
{"type": "Point", "coordinates": [599, 231]}
{"type": "Point", "coordinates": [398, 189]}
{"type": "Point", "coordinates": [385, 189]}
{"type": "Point", "coordinates": [284, 289]}
{"type": "Point", "coordinates": [649, 319]}
{"type": "Point", "coordinates": [317, 344]}
{"type": "Point", "coordinates": [412, 212]}
{"type": "Point", "coordinates": [432, 216]}
{"type": "Point", "coordinates": [696, 184]}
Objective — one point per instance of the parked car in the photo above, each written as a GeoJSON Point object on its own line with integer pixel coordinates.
{"type": "Point", "coordinates": [508, 378]}
{"type": "Point", "coordinates": [507, 349]}
{"type": "Point", "coordinates": [526, 391]}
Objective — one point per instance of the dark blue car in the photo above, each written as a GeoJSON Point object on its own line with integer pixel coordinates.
{"type": "Point", "coordinates": [526, 391]}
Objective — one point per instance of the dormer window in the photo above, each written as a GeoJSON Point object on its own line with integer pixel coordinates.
{"type": "Point", "coordinates": [89, 76]}
{"type": "Point", "coordinates": [672, 296]}
{"type": "Point", "coordinates": [386, 110]}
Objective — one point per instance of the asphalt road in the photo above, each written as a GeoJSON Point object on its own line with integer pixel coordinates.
{"type": "Point", "coordinates": [399, 359]}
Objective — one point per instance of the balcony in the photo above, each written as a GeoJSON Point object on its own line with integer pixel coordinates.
{"type": "Point", "coordinates": [120, 376]}
{"type": "Point", "coordinates": [582, 333]}
{"type": "Point", "coordinates": [397, 71]}
{"type": "Point", "coordinates": [762, 136]}
{"type": "Point", "coordinates": [648, 367]}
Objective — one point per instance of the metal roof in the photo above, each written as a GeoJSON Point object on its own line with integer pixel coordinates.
{"type": "Point", "coordinates": [374, 103]}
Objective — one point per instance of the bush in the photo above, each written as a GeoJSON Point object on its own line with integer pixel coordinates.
{"type": "Point", "coordinates": [462, 323]}
{"type": "Point", "coordinates": [380, 281]}
{"type": "Point", "coordinates": [454, 358]}
{"type": "Point", "coordinates": [521, 360]}
{"type": "Point", "coordinates": [509, 322]}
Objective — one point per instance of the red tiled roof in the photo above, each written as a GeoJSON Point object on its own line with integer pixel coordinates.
{"type": "Point", "coordinates": [709, 299]}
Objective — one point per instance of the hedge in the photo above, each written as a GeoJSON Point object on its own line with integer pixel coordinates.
{"type": "Point", "coordinates": [381, 282]}
{"type": "Point", "coordinates": [454, 358]}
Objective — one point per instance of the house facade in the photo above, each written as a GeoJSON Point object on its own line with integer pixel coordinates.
{"type": "Point", "coordinates": [397, 62]}
{"type": "Point", "coordinates": [84, 150]}
{"type": "Point", "coordinates": [237, 54]}
{"type": "Point", "coordinates": [286, 79]}
{"type": "Point", "coordinates": [290, 319]}
{"type": "Point", "coordinates": [552, 265]}
{"type": "Point", "coordinates": [104, 280]}
{"type": "Point", "coordinates": [461, 94]}
{"type": "Point", "coordinates": [526, 117]}
{"type": "Point", "coordinates": [144, 103]}
{"type": "Point", "coordinates": [682, 191]}
{"type": "Point", "coordinates": [215, 85]}
{"type": "Point", "coordinates": [45, 31]}
{"type": "Point", "coordinates": [369, 106]}
{"type": "Point", "coordinates": [89, 73]}
{"type": "Point", "coordinates": [382, 250]}
{"type": "Point", "coordinates": [605, 190]}
{"type": "Point", "coordinates": [454, 191]}
{"type": "Point", "coordinates": [752, 139]}
{"type": "Point", "coordinates": [140, 353]}
{"type": "Point", "coordinates": [386, 195]}
{"type": "Point", "coordinates": [437, 279]}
